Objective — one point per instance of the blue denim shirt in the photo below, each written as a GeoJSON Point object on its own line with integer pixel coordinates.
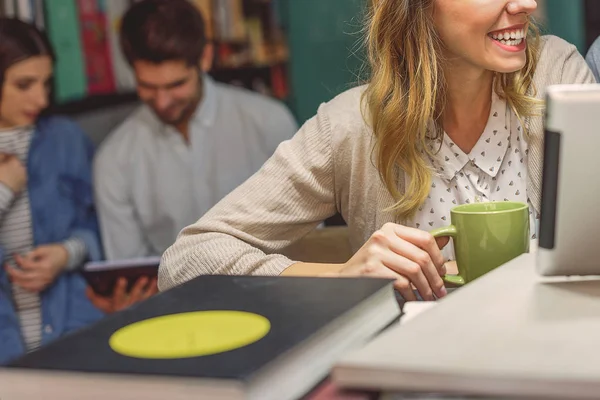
{"type": "Point", "coordinates": [61, 200]}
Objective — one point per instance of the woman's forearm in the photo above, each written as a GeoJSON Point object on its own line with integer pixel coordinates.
{"type": "Point", "coordinates": [311, 269]}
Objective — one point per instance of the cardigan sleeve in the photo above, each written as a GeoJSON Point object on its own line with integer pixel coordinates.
{"type": "Point", "coordinates": [287, 198]}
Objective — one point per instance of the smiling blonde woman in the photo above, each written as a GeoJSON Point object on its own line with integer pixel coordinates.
{"type": "Point", "coordinates": [451, 115]}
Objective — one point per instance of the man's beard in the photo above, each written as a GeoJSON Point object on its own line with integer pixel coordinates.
{"type": "Point", "coordinates": [190, 107]}
{"type": "Point", "coordinates": [185, 114]}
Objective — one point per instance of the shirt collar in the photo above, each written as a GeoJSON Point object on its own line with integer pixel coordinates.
{"type": "Point", "coordinates": [448, 158]}
{"type": "Point", "coordinates": [489, 151]}
{"type": "Point", "coordinates": [206, 111]}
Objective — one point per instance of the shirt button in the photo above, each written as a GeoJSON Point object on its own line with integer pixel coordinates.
{"type": "Point", "coordinates": [48, 329]}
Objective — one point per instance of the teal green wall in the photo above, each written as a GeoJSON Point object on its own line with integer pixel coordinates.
{"type": "Point", "coordinates": [566, 19]}
{"type": "Point", "coordinates": [322, 36]}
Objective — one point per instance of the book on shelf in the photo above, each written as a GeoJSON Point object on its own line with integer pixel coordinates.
{"type": "Point", "coordinates": [64, 32]}
{"type": "Point", "coordinates": [229, 20]}
{"type": "Point", "coordinates": [25, 10]}
{"type": "Point", "coordinates": [9, 8]}
{"type": "Point", "coordinates": [96, 50]}
{"type": "Point", "coordinates": [206, 10]}
{"type": "Point", "coordinates": [39, 15]}
{"type": "Point", "coordinates": [123, 75]}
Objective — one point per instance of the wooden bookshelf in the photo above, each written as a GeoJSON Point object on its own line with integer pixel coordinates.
{"type": "Point", "coordinates": [255, 57]}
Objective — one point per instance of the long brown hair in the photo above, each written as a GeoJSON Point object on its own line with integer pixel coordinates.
{"type": "Point", "coordinates": [20, 41]}
{"type": "Point", "coordinates": [406, 93]}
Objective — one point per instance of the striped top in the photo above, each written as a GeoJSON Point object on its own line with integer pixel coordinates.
{"type": "Point", "coordinates": [16, 237]}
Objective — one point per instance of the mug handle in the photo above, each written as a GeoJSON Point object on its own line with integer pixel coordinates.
{"type": "Point", "coordinates": [449, 231]}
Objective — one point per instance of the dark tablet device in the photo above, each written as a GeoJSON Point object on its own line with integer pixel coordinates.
{"type": "Point", "coordinates": [102, 276]}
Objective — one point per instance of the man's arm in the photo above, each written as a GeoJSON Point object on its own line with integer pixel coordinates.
{"type": "Point", "coordinates": [243, 234]}
{"type": "Point", "coordinates": [280, 125]}
{"type": "Point", "coordinates": [84, 243]}
{"type": "Point", "coordinates": [593, 59]}
{"type": "Point", "coordinates": [122, 235]}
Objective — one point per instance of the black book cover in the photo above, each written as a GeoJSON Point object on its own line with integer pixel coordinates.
{"type": "Point", "coordinates": [295, 307]}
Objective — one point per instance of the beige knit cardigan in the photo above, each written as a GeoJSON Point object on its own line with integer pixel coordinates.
{"type": "Point", "coordinates": [325, 168]}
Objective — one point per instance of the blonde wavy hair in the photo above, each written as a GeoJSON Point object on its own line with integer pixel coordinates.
{"type": "Point", "coordinates": [406, 92]}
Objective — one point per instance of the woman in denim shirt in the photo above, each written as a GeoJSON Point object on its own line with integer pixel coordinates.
{"type": "Point", "coordinates": [48, 225]}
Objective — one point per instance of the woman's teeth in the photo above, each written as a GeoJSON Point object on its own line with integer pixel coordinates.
{"type": "Point", "coordinates": [509, 38]}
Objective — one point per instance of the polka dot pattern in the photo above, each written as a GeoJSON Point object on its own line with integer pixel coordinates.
{"type": "Point", "coordinates": [494, 170]}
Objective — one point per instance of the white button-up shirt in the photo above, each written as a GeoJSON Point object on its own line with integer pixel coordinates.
{"type": "Point", "coordinates": [494, 170]}
{"type": "Point", "coordinates": [150, 184]}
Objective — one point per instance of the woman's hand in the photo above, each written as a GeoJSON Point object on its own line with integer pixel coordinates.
{"type": "Point", "coordinates": [12, 172]}
{"type": "Point", "coordinates": [39, 268]}
{"type": "Point", "coordinates": [410, 256]}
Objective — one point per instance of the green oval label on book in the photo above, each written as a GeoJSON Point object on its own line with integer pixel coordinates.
{"type": "Point", "coordinates": [192, 334]}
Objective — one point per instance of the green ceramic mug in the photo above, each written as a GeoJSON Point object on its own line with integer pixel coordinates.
{"type": "Point", "coordinates": [486, 235]}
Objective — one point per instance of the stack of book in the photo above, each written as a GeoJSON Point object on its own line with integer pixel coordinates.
{"type": "Point", "coordinates": [215, 337]}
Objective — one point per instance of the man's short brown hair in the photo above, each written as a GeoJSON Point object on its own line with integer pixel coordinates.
{"type": "Point", "coordinates": [163, 30]}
